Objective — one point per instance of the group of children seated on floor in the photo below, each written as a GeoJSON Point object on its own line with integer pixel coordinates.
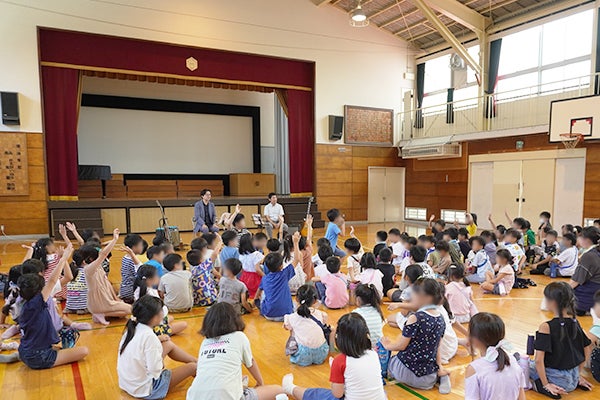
{"type": "Point", "coordinates": [426, 279]}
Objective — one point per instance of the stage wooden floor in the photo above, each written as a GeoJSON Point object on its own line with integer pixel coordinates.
{"type": "Point", "coordinates": [96, 377]}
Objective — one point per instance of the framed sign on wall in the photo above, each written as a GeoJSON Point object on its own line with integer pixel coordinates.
{"type": "Point", "coordinates": [368, 126]}
{"type": "Point", "coordinates": [14, 176]}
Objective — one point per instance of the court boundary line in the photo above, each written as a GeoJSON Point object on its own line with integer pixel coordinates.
{"type": "Point", "coordinates": [79, 391]}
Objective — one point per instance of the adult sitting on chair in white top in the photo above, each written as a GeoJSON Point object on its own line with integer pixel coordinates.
{"type": "Point", "coordinates": [273, 211]}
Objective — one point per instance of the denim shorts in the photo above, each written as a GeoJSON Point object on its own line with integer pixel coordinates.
{"type": "Point", "coordinates": [160, 386]}
{"type": "Point", "coordinates": [39, 359]}
{"type": "Point", "coordinates": [567, 379]}
{"type": "Point", "coordinates": [306, 356]}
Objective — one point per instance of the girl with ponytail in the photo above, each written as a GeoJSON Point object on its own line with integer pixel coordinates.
{"type": "Point", "coordinates": [309, 328]}
{"type": "Point", "coordinates": [560, 346]}
{"type": "Point", "coordinates": [369, 307]}
{"type": "Point", "coordinates": [140, 360]}
{"type": "Point", "coordinates": [496, 375]}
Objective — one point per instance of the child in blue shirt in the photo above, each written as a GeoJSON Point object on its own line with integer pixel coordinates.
{"type": "Point", "coordinates": [231, 242]}
{"type": "Point", "coordinates": [129, 266]}
{"type": "Point", "coordinates": [39, 334]}
{"type": "Point", "coordinates": [155, 256]}
{"type": "Point", "coordinates": [335, 228]}
{"type": "Point", "coordinates": [274, 291]}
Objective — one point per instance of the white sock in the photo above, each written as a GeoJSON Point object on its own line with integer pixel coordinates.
{"type": "Point", "coordinates": [288, 384]}
{"type": "Point", "coordinates": [445, 386]}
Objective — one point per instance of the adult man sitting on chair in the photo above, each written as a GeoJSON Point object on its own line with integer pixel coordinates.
{"type": "Point", "coordinates": [205, 215]}
{"type": "Point", "coordinates": [272, 212]}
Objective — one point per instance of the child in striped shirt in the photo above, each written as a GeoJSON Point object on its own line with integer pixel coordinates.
{"type": "Point", "coordinates": [129, 267]}
{"type": "Point", "coordinates": [77, 289]}
{"type": "Point", "coordinates": [368, 302]}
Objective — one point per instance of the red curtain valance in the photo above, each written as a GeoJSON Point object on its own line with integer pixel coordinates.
{"type": "Point", "coordinates": [111, 52]}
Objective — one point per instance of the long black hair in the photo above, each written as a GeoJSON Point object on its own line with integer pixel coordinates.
{"type": "Point", "coordinates": [444, 302]}
{"type": "Point", "coordinates": [564, 297]}
{"type": "Point", "coordinates": [142, 312]}
{"type": "Point", "coordinates": [40, 252]}
{"type": "Point", "coordinates": [221, 319]}
{"type": "Point", "coordinates": [369, 296]}
{"type": "Point", "coordinates": [307, 297]}
{"type": "Point", "coordinates": [489, 329]}
{"type": "Point", "coordinates": [368, 261]}
{"type": "Point", "coordinates": [288, 245]}
{"type": "Point", "coordinates": [246, 246]}
{"type": "Point", "coordinates": [503, 253]}
{"type": "Point", "coordinates": [457, 273]}
{"type": "Point", "coordinates": [429, 287]}
{"type": "Point", "coordinates": [144, 273]}
{"type": "Point", "coordinates": [352, 335]}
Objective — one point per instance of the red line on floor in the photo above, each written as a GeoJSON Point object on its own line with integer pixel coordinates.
{"type": "Point", "coordinates": [77, 381]}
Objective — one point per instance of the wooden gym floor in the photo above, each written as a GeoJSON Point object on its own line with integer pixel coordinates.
{"type": "Point", "coordinates": [96, 376]}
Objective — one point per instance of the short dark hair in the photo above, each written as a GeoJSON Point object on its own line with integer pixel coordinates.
{"type": "Point", "coordinates": [153, 251]}
{"type": "Point", "coordinates": [325, 252]}
{"type": "Point", "coordinates": [199, 243]}
{"type": "Point", "coordinates": [514, 233]}
{"type": "Point", "coordinates": [166, 246]}
{"type": "Point", "coordinates": [273, 245]}
{"type": "Point", "coordinates": [427, 238]}
{"type": "Point", "coordinates": [552, 232]}
{"type": "Point", "coordinates": [271, 195]}
{"type": "Point", "coordinates": [323, 242]}
{"type": "Point", "coordinates": [273, 261]}
{"type": "Point", "coordinates": [352, 335]}
{"type": "Point", "coordinates": [385, 255]}
{"type": "Point", "coordinates": [411, 240]}
{"type": "Point", "coordinates": [591, 233]}
{"type": "Point", "coordinates": [352, 244]}
{"type": "Point", "coordinates": [246, 245]}
{"type": "Point", "coordinates": [204, 191]}
{"type": "Point", "coordinates": [382, 235]}
{"type": "Point", "coordinates": [238, 218]}
{"type": "Point", "coordinates": [171, 260]}
{"type": "Point", "coordinates": [477, 239]}
{"type": "Point", "coordinates": [571, 238]}
{"type": "Point", "coordinates": [133, 239]}
{"type": "Point", "coordinates": [260, 236]}
{"type": "Point", "coordinates": [520, 222]}
{"type": "Point", "coordinates": [333, 264]}
{"type": "Point", "coordinates": [545, 214]}
{"type": "Point", "coordinates": [442, 245]}
{"type": "Point", "coordinates": [209, 237]}
{"type": "Point", "coordinates": [429, 287]}
{"type": "Point", "coordinates": [414, 272]}
{"type": "Point", "coordinates": [30, 285]}
{"type": "Point", "coordinates": [394, 231]}
{"type": "Point", "coordinates": [452, 232]}
{"type": "Point", "coordinates": [221, 319]}
{"type": "Point", "coordinates": [418, 253]}
{"type": "Point", "coordinates": [333, 214]}
{"type": "Point", "coordinates": [228, 237]}
{"type": "Point", "coordinates": [597, 221]}
{"type": "Point", "coordinates": [440, 222]}
{"type": "Point", "coordinates": [194, 257]}
{"type": "Point", "coordinates": [234, 265]}
{"type": "Point", "coordinates": [159, 239]}
{"type": "Point", "coordinates": [33, 266]}
{"type": "Point", "coordinates": [463, 232]}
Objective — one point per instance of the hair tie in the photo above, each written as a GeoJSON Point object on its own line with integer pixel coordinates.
{"type": "Point", "coordinates": [491, 354]}
{"type": "Point", "coordinates": [144, 278]}
{"type": "Point", "coordinates": [302, 301]}
{"type": "Point", "coordinates": [133, 318]}
{"type": "Point", "coordinates": [453, 266]}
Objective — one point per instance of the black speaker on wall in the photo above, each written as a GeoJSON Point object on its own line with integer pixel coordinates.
{"type": "Point", "coordinates": [10, 108]}
{"type": "Point", "coordinates": [336, 127]}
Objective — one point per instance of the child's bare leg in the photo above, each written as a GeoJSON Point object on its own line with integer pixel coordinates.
{"type": "Point", "coordinates": [487, 286]}
{"type": "Point", "coordinates": [176, 353]}
{"type": "Point", "coordinates": [178, 327]}
{"type": "Point", "coordinates": [68, 356]}
{"type": "Point", "coordinates": [268, 392]}
{"type": "Point", "coordinates": [181, 373]}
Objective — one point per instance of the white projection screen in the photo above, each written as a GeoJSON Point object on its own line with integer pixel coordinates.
{"type": "Point", "coordinates": [157, 142]}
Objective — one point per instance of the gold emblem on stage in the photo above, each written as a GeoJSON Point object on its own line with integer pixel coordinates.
{"type": "Point", "coordinates": [191, 63]}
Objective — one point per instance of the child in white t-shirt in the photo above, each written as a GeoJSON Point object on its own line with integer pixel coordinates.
{"type": "Point", "coordinates": [370, 274]}
{"type": "Point", "coordinates": [355, 252]}
{"type": "Point", "coordinates": [566, 262]}
{"type": "Point", "coordinates": [512, 238]}
{"type": "Point", "coordinates": [480, 264]}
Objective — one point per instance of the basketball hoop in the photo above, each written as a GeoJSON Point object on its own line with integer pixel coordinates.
{"type": "Point", "coordinates": [571, 140]}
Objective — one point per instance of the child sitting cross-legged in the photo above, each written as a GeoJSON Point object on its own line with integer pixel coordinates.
{"type": "Point", "coordinates": [252, 260]}
{"type": "Point", "coordinates": [496, 375]}
{"type": "Point", "coordinates": [39, 332]}
{"type": "Point", "coordinates": [223, 352]}
{"type": "Point", "coordinates": [479, 265]}
{"type": "Point", "coordinates": [369, 307]}
{"type": "Point", "coordinates": [504, 280]}
{"type": "Point", "coordinates": [140, 365]}
{"type": "Point", "coordinates": [355, 373]}
{"type": "Point", "coordinates": [334, 285]}
{"type": "Point", "coordinates": [77, 289]}
{"type": "Point", "coordinates": [231, 290]}
{"type": "Point", "coordinates": [273, 297]}
{"type": "Point", "coordinates": [306, 326]}
{"type": "Point", "coordinates": [175, 286]}
{"type": "Point", "coordinates": [145, 282]}
{"type": "Point", "coordinates": [549, 249]}
{"type": "Point", "coordinates": [417, 362]}
{"type": "Point", "coordinates": [565, 263]}
{"type": "Point", "coordinates": [204, 274]}
{"type": "Point", "coordinates": [460, 295]}
{"type": "Point", "coordinates": [398, 296]}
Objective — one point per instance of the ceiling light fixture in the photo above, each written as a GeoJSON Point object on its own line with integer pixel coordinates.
{"type": "Point", "coordinates": [358, 18]}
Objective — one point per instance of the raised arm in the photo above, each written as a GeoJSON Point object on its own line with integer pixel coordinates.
{"type": "Point", "coordinates": [54, 277]}
{"type": "Point", "coordinates": [105, 251]}
{"type": "Point", "coordinates": [229, 222]}
{"type": "Point", "coordinates": [491, 221]}
{"type": "Point", "coordinates": [63, 233]}
{"type": "Point", "coordinates": [29, 252]}
{"type": "Point", "coordinates": [71, 227]}
{"type": "Point", "coordinates": [131, 254]}
{"type": "Point", "coordinates": [297, 254]}
{"type": "Point", "coordinates": [309, 231]}
{"type": "Point", "coordinates": [508, 218]}
{"type": "Point", "coordinates": [430, 222]}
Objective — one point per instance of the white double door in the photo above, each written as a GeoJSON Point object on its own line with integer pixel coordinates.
{"type": "Point", "coordinates": [386, 194]}
{"type": "Point", "coordinates": [524, 184]}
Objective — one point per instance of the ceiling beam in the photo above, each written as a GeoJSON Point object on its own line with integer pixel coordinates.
{"type": "Point", "coordinates": [401, 16]}
{"type": "Point", "coordinates": [462, 14]}
{"type": "Point", "coordinates": [447, 34]}
{"type": "Point", "coordinates": [394, 4]}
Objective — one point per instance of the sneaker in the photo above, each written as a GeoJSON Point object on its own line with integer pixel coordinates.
{"type": "Point", "coordinates": [445, 386]}
{"type": "Point", "coordinates": [538, 387]}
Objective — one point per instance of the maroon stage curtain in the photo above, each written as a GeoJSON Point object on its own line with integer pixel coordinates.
{"type": "Point", "coordinates": [61, 100]}
{"type": "Point", "coordinates": [301, 125]}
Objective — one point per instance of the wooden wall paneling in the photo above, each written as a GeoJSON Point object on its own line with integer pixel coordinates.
{"type": "Point", "coordinates": [180, 217]}
{"type": "Point", "coordinates": [144, 220]}
{"type": "Point", "coordinates": [114, 218]}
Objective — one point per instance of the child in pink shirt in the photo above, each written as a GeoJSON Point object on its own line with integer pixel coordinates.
{"type": "Point", "coordinates": [336, 285]}
{"type": "Point", "coordinates": [460, 295]}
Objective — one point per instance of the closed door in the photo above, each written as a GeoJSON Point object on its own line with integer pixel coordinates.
{"type": "Point", "coordinates": [538, 189]}
{"type": "Point", "coordinates": [506, 190]}
{"type": "Point", "coordinates": [376, 196]}
{"type": "Point", "coordinates": [481, 188]}
{"type": "Point", "coordinates": [568, 191]}
{"type": "Point", "coordinates": [394, 194]}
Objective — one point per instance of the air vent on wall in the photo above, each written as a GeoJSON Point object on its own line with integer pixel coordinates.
{"type": "Point", "coordinates": [451, 150]}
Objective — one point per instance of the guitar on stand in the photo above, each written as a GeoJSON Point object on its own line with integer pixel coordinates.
{"type": "Point", "coordinates": [304, 227]}
{"type": "Point", "coordinates": [170, 233]}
